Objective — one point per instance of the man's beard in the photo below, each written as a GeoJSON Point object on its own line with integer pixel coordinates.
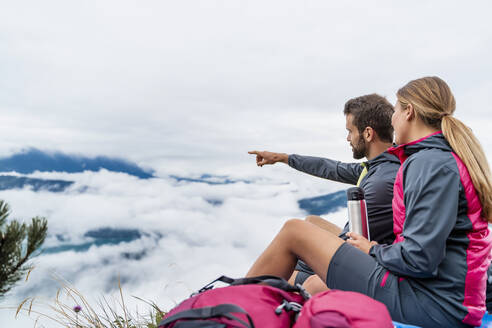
{"type": "Point", "coordinates": [360, 149]}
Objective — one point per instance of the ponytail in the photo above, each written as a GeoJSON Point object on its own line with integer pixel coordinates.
{"type": "Point", "coordinates": [434, 104]}
{"type": "Point", "coordinates": [469, 150]}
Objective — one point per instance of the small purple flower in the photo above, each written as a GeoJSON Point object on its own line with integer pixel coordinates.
{"type": "Point", "coordinates": [77, 308]}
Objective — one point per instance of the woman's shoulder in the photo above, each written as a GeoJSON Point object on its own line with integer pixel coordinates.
{"type": "Point", "coordinates": [431, 159]}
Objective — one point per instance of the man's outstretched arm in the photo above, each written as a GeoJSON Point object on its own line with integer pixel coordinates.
{"type": "Point", "coordinates": [317, 166]}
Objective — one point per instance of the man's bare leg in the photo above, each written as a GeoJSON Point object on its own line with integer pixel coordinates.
{"type": "Point", "coordinates": [314, 285]}
{"type": "Point", "coordinates": [297, 239]}
{"type": "Point", "coordinates": [323, 224]}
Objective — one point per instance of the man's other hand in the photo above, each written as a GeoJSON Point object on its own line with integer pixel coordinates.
{"type": "Point", "coordinates": [267, 157]}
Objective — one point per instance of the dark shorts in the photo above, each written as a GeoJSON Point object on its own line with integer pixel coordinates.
{"type": "Point", "coordinates": [304, 272]}
{"type": "Point", "coordinates": [352, 270]}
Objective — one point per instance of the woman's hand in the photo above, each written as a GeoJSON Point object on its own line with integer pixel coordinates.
{"type": "Point", "coordinates": [360, 242]}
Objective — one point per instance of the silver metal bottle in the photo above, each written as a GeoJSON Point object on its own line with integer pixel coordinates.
{"type": "Point", "coordinates": [357, 212]}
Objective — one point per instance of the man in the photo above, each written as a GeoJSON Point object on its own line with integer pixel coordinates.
{"type": "Point", "coordinates": [370, 134]}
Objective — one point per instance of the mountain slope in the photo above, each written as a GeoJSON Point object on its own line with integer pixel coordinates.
{"type": "Point", "coordinates": [32, 159]}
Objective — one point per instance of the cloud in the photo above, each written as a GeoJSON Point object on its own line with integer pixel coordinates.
{"type": "Point", "coordinates": [185, 241]}
{"type": "Point", "coordinates": [186, 81]}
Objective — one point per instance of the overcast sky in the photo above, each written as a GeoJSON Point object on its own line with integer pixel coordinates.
{"type": "Point", "coordinates": [204, 81]}
{"type": "Point", "coordinates": [189, 87]}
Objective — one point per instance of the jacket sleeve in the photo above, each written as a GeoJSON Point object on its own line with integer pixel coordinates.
{"type": "Point", "coordinates": [326, 168]}
{"type": "Point", "coordinates": [431, 194]}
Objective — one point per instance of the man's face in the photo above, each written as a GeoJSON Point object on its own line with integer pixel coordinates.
{"type": "Point", "coordinates": [359, 147]}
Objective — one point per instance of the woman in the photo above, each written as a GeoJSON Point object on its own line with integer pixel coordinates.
{"type": "Point", "coordinates": [434, 274]}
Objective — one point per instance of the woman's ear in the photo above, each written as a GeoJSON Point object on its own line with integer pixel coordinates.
{"type": "Point", "coordinates": [410, 112]}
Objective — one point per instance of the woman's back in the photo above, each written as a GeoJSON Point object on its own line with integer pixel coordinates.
{"type": "Point", "coordinates": [448, 245]}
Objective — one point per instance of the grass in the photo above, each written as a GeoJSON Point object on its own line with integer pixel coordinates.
{"type": "Point", "coordinates": [72, 310]}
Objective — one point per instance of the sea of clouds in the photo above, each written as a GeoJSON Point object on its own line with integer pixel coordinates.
{"type": "Point", "coordinates": [191, 232]}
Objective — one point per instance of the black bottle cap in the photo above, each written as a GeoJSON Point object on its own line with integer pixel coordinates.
{"type": "Point", "coordinates": [355, 193]}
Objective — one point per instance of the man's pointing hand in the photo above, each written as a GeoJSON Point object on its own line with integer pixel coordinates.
{"type": "Point", "coordinates": [267, 157]}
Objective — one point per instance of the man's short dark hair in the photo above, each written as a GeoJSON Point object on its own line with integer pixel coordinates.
{"type": "Point", "coordinates": [372, 111]}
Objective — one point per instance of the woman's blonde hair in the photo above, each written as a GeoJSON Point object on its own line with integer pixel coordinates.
{"type": "Point", "coordinates": [434, 104]}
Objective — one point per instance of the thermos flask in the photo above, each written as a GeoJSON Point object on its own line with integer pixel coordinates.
{"type": "Point", "coordinates": [357, 212]}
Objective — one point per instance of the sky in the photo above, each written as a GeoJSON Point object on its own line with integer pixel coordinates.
{"type": "Point", "coordinates": [201, 82]}
{"type": "Point", "coordinates": [188, 87]}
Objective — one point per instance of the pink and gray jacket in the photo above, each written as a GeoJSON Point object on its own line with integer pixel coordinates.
{"type": "Point", "coordinates": [443, 245]}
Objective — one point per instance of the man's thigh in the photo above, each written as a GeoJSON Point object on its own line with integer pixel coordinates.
{"type": "Point", "coordinates": [324, 224]}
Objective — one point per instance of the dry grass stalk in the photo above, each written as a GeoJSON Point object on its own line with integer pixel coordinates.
{"type": "Point", "coordinates": [83, 315]}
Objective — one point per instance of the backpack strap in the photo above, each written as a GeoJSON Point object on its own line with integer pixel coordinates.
{"type": "Point", "coordinates": [199, 324]}
{"type": "Point", "coordinates": [222, 310]}
{"type": "Point", "coordinates": [269, 280]}
{"type": "Point", "coordinates": [272, 281]}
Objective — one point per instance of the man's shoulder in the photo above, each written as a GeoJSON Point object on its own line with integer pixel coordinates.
{"type": "Point", "coordinates": [385, 163]}
{"type": "Point", "coordinates": [382, 174]}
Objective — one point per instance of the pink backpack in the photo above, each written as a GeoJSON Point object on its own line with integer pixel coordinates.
{"type": "Point", "coordinates": [245, 304]}
{"type": "Point", "coordinates": [336, 308]}
{"type": "Point", "coordinates": [271, 302]}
